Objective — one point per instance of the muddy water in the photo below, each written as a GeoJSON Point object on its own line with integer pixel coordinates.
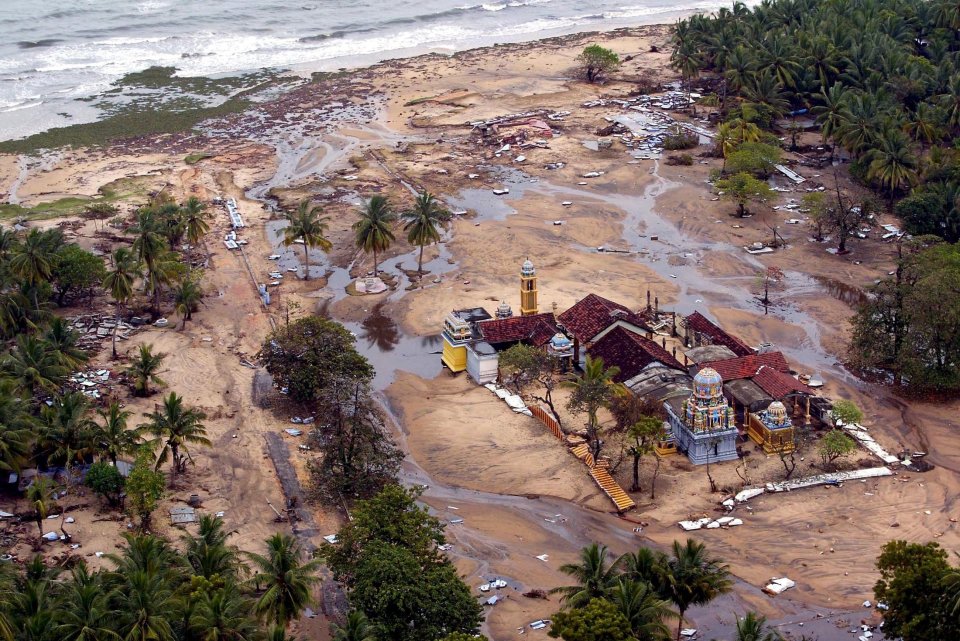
{"type": "Point", "coordinates": [390, 350]}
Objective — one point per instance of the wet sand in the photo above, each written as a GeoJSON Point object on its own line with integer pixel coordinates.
{"type": "Point", "coordinates": [506, 475]}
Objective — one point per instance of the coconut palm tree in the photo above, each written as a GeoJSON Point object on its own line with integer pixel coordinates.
{"type": "Point", "coordinates": [34, 367]}
{"type": "Point", "coordinates": [831, 113]}
{"type": "Point", "coordinates": [373, 229]}
{"type": "Point", "coordinates": [18, 428]}
{"type": "Point", "coordinates": [67, 432]}
{"type": "Point", "coordinates": [309, 227]}
{"type": "Point", "coordinates": [753, 627]}
{"type": "Point", "coordinates": [113, 438]}
{"type": "Point", "coordinates": [224, 615]}
{"type": "Point", "coordinates": [286, 577]}
{"type": "Point", "coordinates": [356, 628]}
{"type": "Point", "coordinates": [892, 163]}
{"type": "Point", "coordinates": [595, 576]}
{"type": "Point", "coordinates": [63, 343]}
{"type": "Point", "coordinates": [177, 427]}
{"type": "Point", "coordinates": [187, 297]}
{"type": "Point", "coordinates": [641, 606]}
{"type": "Point", "coordinates": [143, 370]}
{"type": "Point", "coordinates": [145, 606]}
{"type": "Point", "coordinates": [32, 262]}
{"type": "Point", "coordinates": [195, 219]}
{"type": "Point", "coordinates": [208, 553]}
{"type": "Point", "coordinates": [645, 565]}
{"type": "Point", "coordinates": [119, 283]}
{"type": "Point", "coordinates": [40, 496]}
{"type": "Point", "coordinates": [925, 125]}
{"type": "Point", "coordinates": [423, 223]}
{"type": "Point", "coordinates": [83, 612]}
{"type": "Point", "coordinates": [694, 577]}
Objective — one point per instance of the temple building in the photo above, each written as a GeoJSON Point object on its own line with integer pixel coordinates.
{"type": "Point", "coordinates": [703, 425]}
{"type": "Point", "coordinates": [772, 429]}
{"type": "Point", "coordinates": [459, 331]}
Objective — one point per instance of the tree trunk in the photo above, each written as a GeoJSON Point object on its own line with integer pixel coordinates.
{"type": "Point", "coordinates": [653, 479]}
{"type": "Point", "coordinates": [375, 270]}
{"type": "Point", "coordinates": [306, 262]}
{"type": "Point", "coordinates": [680, 624]}
{"type": "Point", "coordinates": [636, 473]}
{"type": "Point", "coordinates": [420, 262]}
{"type": "Point", "coordinates": [741, 210]}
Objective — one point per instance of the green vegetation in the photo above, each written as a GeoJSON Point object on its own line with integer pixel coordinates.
{"type": "Point", "coordinates": [918, 586]}
{"type": "Point", "coordinates": [373, 230]}
{"type": "Point", "coordinates": [881, 77]}
{"type": "Point", "coordinates": [314, 361]}
{"type": "Point", "coordinates": [308, 227]}
{"type": "Point", "coordinates": [423, 223]}
{"type": "Point", "coordinates": [679, 139]}
{"type": "Point", "coordinates": [597, 62]}
{"type": "Point", "coordinates": [908, 328]}
{"type": "Point", "coordinates": [629, 598]}
{"type": "Point", "coordinates": [590, 392]}
{"type": "Point", "coordinates": [193, 159]}
{"type": "Point", "coordinates": [742, 188]}
{"type": "Point", "coordinates": [149, 590]}
{"type": "Point", "coordinates": [388, 559]}
{"type": "Point", "coordinates": [833, 445]}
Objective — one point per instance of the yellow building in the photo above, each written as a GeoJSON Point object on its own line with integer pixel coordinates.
{"type": "Point", "coordinates": [528, 289]}
{"type": "Point", "coordinates": [457, 334]}
{"type": "Point", "coordinates": [772, 429]}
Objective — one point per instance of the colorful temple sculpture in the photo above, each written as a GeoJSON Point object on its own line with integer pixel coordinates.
{"type": "Point", "coordinates": [772, 429]}
{"type": "Point", "coordinates": [703, 425]}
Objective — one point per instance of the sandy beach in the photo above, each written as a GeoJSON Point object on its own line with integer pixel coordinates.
{"type": "Point", "coordinates": [519, 492]}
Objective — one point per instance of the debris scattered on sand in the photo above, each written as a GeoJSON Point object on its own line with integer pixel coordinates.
{"type": "Point", "coordinates": [778, 585]}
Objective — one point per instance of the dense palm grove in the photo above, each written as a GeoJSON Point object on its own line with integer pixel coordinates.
{"type": "Point", "coordinates": [881, 78]}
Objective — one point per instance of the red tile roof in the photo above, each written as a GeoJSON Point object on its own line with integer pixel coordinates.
{"type": "Point", "coordinates": [536, 329]}
{"type": "Point", "coordinates": [778, 384]}
{"type": "Point", "coordinates": [630, 352]}
{"type": "Point", "coordinates": [701, 324]}
{"type": "Point", "coordinates": [593, 314]}
{"type": "Point", "coordinates": [747, 366]}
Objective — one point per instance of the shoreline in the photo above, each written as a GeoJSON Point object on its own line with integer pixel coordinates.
{"type": "Point", "coordinates": [128, 122]}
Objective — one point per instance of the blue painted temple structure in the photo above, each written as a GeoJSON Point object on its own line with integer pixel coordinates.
{"type": "Point", "coordinates": [703, 426]}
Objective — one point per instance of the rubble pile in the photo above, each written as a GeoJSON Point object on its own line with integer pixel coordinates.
{"type": "Point", "coordinates": [93, 329]}
{"type": "Point", "coordinates": [91, 383]}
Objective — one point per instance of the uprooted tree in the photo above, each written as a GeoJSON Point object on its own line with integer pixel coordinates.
{"type": "Point", "coordinates": [597, 62]}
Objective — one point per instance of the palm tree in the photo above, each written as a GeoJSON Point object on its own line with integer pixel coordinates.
{"type": "Point", "coordinates": [68, 433]}
{"type": "Point", "coordinates": [591, 391]}
{"type": "Point", "coordinates": [694, 578]}
{"type": "Point", "coordinates": [159, 265]}
{"type": "Point", "coordinates": [641, 606]}
{"type": "Point", "coordinates": [594, 574]}
{"type": "Point", "coordinates": [223, 615]}
{"type": "Point", "coordinates": [357, 628]}
{"type": "Point", "coordinates": [753, 627]}
{"type": "Point", "coordinates": [208, 552]}
{"type": "Point", "coordinates": [924, 127]}
{"type": "Point", "coordinates": [287, 580]}
{"type": "Point", "coordinates": [32, 261]}
{"type": "Point", "coordinates": [40, 495]}
{"type": "Point", "coordinates": [63, 343]}
{"type": "Point", "coordinates": [373, 229]}
{"type": "Point", "coordinates": [832, 111]}
{"type": "Point", "coordinates": [645, 565]}
{"type": "Point", "coordinates": [18, 428]}
{"type": "Point", "coordinates": [144, 370]}
{"type": "Point", "coordinates": [83, 613]}
{"type": "Point", "coordinates": [308, 226]}
{"type": "Point", "coordinates": [178, 427]}
{"type": "Point", "coordinates": [423, 222]}
{"type": "Point", "coordinates": [892, 163]}
{"type": "Point", "coordinates": [187, 296]}
{"type": "Point", "coordinates": [113, 439]}
{"type": "Point", "coordinates": [145, 607]}
{"type": "Point", "coordinates": [195, 219]}
{"type": "Point", "coordinates": [119, 283]}
{"type": "Point", "coordinates": [34, 367]}
{"type": "Point", "coordinates": [8, 594]}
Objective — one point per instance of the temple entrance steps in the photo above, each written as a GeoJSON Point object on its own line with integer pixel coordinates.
{"type": "Point", "coordinates": [583, 453]}
{"type": "Point", "coordinates": [612, 489]}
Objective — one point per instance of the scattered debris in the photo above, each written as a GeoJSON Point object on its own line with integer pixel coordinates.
{"type": "Point", "coordinates": [181, 515]}
{"type": "Point", "coordinates": [778, 585]}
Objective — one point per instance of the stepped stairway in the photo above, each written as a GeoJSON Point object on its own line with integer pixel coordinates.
{"type": "Point", "coordinates": [583, 453]}
{"type": "Point", "coordinates": [612, 489]}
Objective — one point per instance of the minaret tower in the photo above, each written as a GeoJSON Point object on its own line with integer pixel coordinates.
{"type": "Point", "coordinates": [528, 289]}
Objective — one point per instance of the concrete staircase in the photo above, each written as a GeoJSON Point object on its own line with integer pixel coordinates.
{"type": "Point", "coordinates": [612, 489]}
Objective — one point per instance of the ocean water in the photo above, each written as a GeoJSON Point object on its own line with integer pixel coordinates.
{"type": "Point", "coordinates": [55, 55]}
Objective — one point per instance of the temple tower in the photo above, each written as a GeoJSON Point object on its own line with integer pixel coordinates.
{"type": "Point", "coordinates": [528, 289]}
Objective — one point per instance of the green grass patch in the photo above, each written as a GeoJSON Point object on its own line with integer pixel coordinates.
{"type": "Point", "coordinates": [193, 159]}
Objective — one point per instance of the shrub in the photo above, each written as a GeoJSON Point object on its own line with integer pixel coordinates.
{"type": "Point", "coordinates": [680, 159]}
{"type": "Point", "coordinates": [680, 139]}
